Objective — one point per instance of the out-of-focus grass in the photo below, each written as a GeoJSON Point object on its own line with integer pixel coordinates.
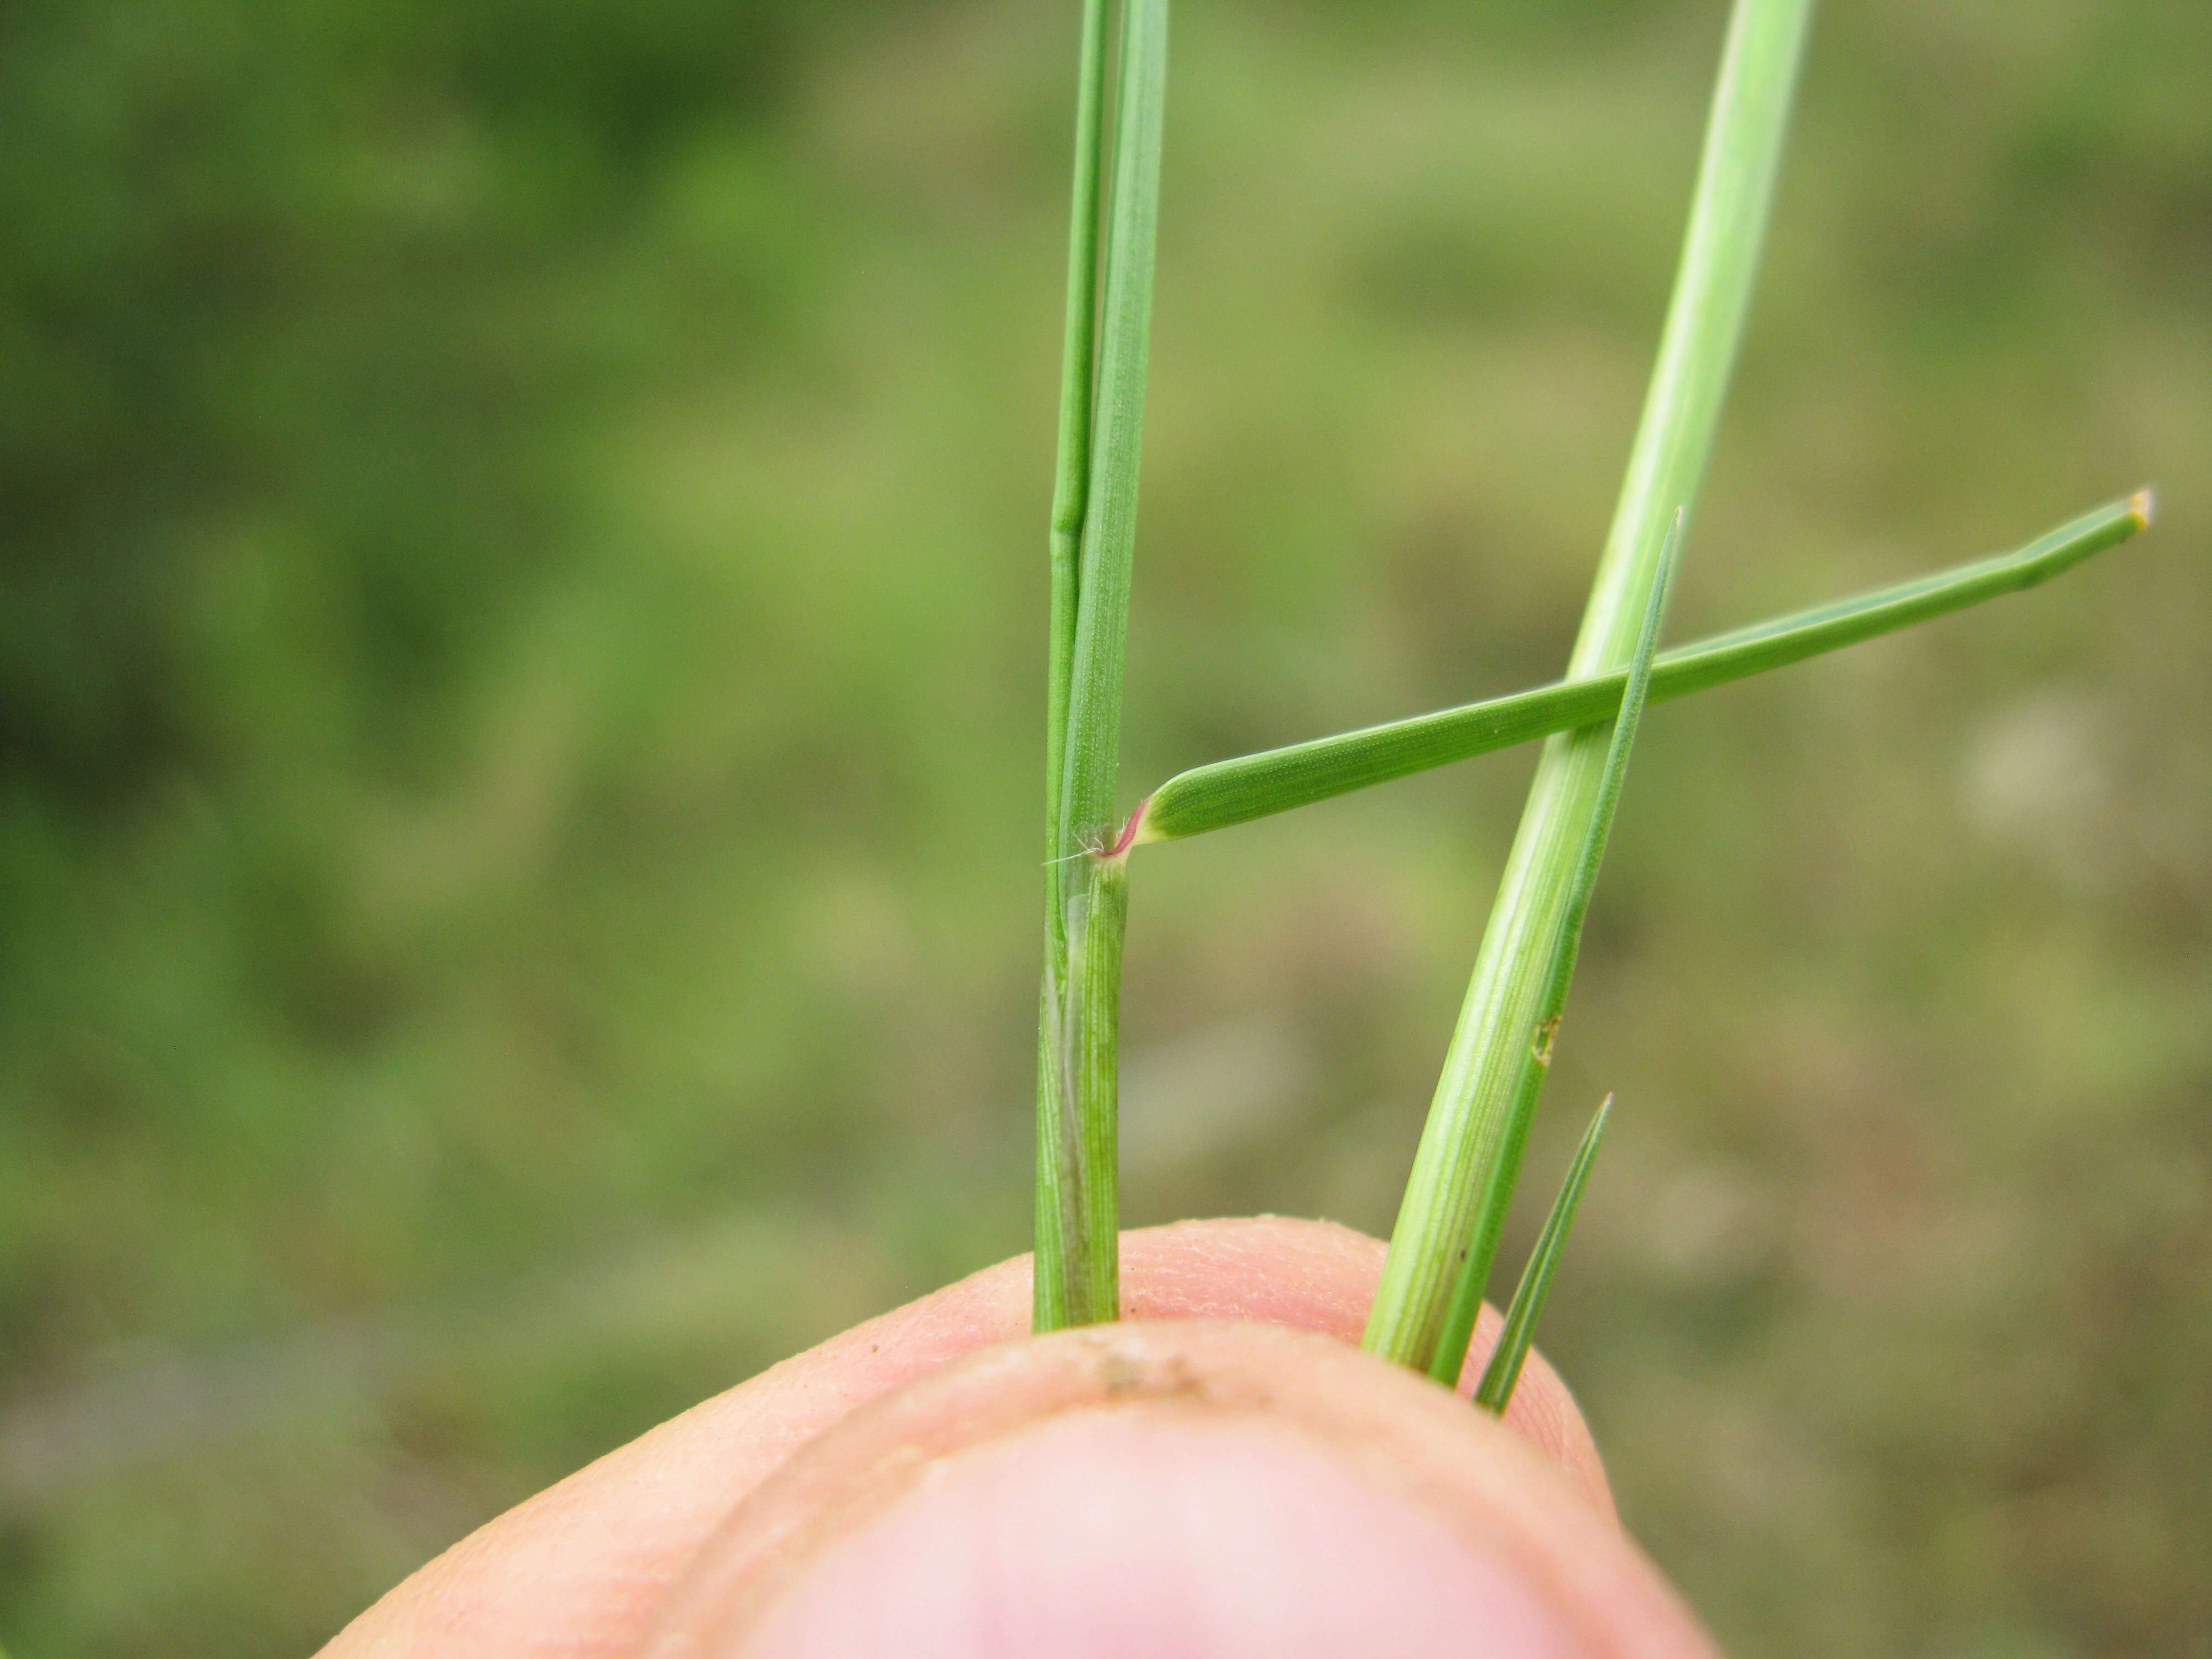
{"type": "Point", "coordinates": [519, 653]}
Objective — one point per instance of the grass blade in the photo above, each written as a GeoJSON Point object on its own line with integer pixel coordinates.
{"type": "Point", "coordinates": [1495, 1392]}
{"type": "Point", "coordinates": [1089, 875]}
{"type": "Point", "coordinates": [1472, 1277]}
{"type": "Point", "coordinates": [1470, 1117]}
{"type": "Point", "coordinates": [1072, 469]}
{"type": "Point", "coordinates": [1091, 757]}
{"type": "Point", "coordinates": [1226, 793]}
{"type": "Point", "coordinates": [1070, 492]}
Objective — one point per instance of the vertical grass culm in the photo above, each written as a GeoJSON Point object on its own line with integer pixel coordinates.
{"type": "Point", "coordinates": [1470, 1132]}
{"type": "Point", "coordinates": [1473, 1276]}
{"type": "Point", "coordinates": [1095, 514]}
{"type": "Point", "coordinates": [1058, 1166]}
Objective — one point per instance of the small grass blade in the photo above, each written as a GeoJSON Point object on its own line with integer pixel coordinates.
{"type": "Point", "coordinates": [1224, 792]}
{"type": "Point", "coordinates": [1472, 1280]}
{"type": "Point", "coordinates": [1463, 1143]}
{"type": "Point", "coordinates": [1495, 1392]}
{"type": "Point", "coordinates": [1079, 1218]}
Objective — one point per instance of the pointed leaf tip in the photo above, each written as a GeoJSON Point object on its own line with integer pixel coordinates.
{"type": "Point", "coordinates": [1495, 1391]}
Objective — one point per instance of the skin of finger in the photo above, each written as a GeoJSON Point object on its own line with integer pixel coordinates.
{"type": "Point", "coordinates": [1507, 1503]}
{"type": "Point", "coordinates": [582, 1568]}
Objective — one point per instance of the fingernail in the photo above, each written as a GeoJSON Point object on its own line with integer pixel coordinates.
{"type": "Point", "coordinates": [1162, 1530]}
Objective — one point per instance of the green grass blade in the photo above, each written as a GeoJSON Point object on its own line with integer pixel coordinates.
{"type": "Point", "coordinates": [1077, 1049]}
{"type": "Point", "coordinates": [1226, 793]}
{"type": "Point", "coordinates": [1070, 491]}
{"type": "Point", "coordinates": [1470, 1117]}
{"type": "Point", "coordinates": [1495, 1391]}
{"type": "Point", "coordinates": [1091, 754]}
{"type": "Point", "coordinates": [1071, 471]}
{"type": "Point", "coordinates": [1472, 1276]}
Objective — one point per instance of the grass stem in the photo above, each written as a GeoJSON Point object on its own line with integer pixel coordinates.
{"type": "Point", "coordinates": [1471, 1116]}
{"type": "Point", "coordinates": [1055, 1166]}
{"type": "Point", "coordinates": [1077, 1219]}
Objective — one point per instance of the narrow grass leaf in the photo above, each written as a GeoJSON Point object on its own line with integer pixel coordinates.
{"type": "Point", "coordinates": [1470, 1116]}
{"type": "Point", "coordinates": [1091, 757]}
{"type": "Point", "coordinates": [1495, 1391]}
{"type": "Point", "coordinates": [1229, 792]}
{"type": "Point", "coordinates": [1472, 1278]}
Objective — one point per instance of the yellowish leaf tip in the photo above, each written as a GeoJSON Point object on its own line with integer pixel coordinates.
{"type": "Point", "coordinates": [2144, 504]}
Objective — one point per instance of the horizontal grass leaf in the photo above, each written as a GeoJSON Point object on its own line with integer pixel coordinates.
{"type": "Point", "coordinates": [1230, 792]}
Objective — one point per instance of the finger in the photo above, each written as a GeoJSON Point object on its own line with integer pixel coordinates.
{"type": "Point", "coordinates": [582, 1567]}
{"type": "Point", "coordinates": [1180, 1490]}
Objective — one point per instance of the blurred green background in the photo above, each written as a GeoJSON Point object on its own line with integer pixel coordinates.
{"type": "Point", "coordinates": [521, 591]}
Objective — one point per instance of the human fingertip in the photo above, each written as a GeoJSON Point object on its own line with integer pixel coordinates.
{"type": "Point", "coordinates": [1155, 1530]}
{"type": "Point", "coordinates": [1182, 1490]}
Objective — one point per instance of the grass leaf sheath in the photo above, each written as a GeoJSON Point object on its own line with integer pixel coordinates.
{"type": "Point", "coordinates": [1470, 1118]}
{"type": "Point", "coordinates": [1079, 1218]}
